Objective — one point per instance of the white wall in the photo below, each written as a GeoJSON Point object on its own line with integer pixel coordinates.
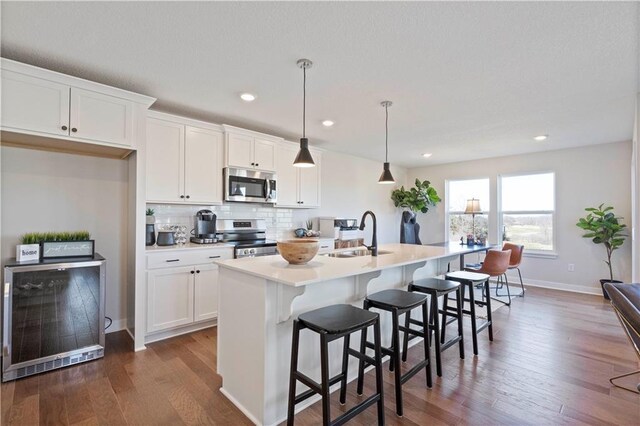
{"type": "Point", "coordinates": [47, 191]}
{"type": "Point", "coordinates": [585, 177]}
{"type": "Point", "coordinates": [350, 187]}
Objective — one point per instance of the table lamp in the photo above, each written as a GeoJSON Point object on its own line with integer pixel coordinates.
{"type": "Point", "coordinates": [473, 208]}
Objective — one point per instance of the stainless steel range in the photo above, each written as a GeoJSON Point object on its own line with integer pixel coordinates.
{"type": "Point", "coordinates": [248, 236]}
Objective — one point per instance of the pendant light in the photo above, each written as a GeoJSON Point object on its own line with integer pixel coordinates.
{"type": "Point", "coordinates": [304, 159]}
{"type": "Point", "coordinates": [386, 177]}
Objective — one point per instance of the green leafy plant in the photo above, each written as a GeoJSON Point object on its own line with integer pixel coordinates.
{"type": "Point", "coordinates": [417, 199]}
{"type": "Point", "coordinates": [150, 212]}
{"type": "Point", "coordinates": [603, 227]}
{"type": "Point", "coordinates": [37, 237]}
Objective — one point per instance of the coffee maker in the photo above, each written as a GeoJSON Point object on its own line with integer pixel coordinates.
{"type": "Point", "coordinates": [205, 228]}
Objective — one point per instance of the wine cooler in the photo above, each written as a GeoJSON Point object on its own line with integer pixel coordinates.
{"type": "Point", "coordinates": [53, 315]}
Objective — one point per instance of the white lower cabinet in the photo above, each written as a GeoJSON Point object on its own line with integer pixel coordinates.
{"type": "Point", "coordinates": [182, 289]}
{"type": "Point", "coordinates": [170, 298]}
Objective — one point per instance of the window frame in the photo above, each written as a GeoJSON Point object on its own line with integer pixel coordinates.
{"type": "Point", "coordinates": [529, 252]}
{"type": "Point", "coordinates": [447, 221]}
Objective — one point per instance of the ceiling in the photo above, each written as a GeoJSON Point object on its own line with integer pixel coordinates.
{"type": "Point", "coordinates": [467, 80]}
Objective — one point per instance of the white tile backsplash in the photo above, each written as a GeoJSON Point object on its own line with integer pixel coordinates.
{"type": "Point", "coordinates": [280, 222]}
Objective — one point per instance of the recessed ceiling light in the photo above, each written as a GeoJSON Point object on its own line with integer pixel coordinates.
{"type": "Point", "coordinates": [327, 123]}
{"type": "Point", "coordinates": [248, 97]}
{"type": "Point", "coordinates": [541, 137]}
{"type": "Point", "coordinates": [427, 155]}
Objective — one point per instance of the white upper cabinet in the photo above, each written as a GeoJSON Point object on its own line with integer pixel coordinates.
{"type": "Point", "coordinates": [44, 103]}
{"type": "Point", "coordinates": [249, 150]}
{"type": "Point", "coordinates": [184, 162]}
{"type": "Point", "coordinates": [298, 187]}
{"type": "Point", "coordinates": [264, 153]}
{"type": "Point", "coordinates": [203, 165]}
{"type": "Point", "coordinates": [101, 118]}
{"type": "Point", "coordinates": [240, 151]}
{"type": "Point", "coordinates": [165, 160]}
{"type": "Point", "coordinates": [34, 104]}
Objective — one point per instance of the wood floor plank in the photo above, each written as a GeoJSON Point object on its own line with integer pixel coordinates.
{"type": "Point", "coordinates": [549, 363]}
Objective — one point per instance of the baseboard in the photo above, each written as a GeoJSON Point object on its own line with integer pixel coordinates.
{"type": "Point", "coordinates": [161, 335]}
{"type": "Point", "coordinates": [573, 288]}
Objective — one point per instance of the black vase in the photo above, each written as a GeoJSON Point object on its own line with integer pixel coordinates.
{"type": "Point", "coordinates": [409, 229]}
{"type": "Point", "coordinates": [150, 238]}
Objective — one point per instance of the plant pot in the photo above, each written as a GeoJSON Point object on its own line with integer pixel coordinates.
{"type": "Point", "coordinates": [151, 220]}
{"type": "Point", "coordinates": [602, 283]}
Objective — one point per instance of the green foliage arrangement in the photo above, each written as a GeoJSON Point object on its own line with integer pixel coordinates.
{"type": "Point", "coordinates": [417, 199]}
{"type": "Point", "coordinates": [150, 212]}
{"type": "Point", "coordinates": [603, 227]}
{"type": "Point", "coordinates": [37, 237]}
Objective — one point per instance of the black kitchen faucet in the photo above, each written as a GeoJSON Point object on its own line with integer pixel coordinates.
{"type": "Point", "coordinates": [374, 239]}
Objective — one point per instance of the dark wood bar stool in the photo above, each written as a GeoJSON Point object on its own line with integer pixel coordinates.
{"type": "Point", "coordinates": [332, 323]}
{"type": "Point", "coordinates": [436, 288]}
{"type": "Point", "coordinates": [469, 280]}
{"type": "Point", "coordinates": [398, 302]}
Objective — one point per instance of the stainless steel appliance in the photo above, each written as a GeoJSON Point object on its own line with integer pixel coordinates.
{"type": "Point", "coordinates": [53, 315]}
{"type": "Point", "coordinates": [247, 235]}
{"type": "Point", "coordinates": [249, 186]}
{"type": "Point", "coordinates": [333, 227]}
{"type": "Point", "coordinates": [205, 228]}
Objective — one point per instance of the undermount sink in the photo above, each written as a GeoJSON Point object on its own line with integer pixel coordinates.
{"type": "Point", "coordinates": [355, 253]}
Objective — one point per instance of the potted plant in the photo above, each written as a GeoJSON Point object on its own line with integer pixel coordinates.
{"type": "Point", "coordinates": [604, 227]}
{"type": "Point", "coordinates": [417, 199]}
{"type": "Point", "coordinates": [150, 217]}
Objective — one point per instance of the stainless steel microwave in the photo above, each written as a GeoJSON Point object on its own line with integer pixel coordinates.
{"type": "Point", "coordinates": [249, 186]}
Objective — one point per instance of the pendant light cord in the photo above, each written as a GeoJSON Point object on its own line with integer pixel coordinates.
{"type": "Point", "coordinates": [304, 100]}
{"type": "Point", "coordinates": [386, 133]}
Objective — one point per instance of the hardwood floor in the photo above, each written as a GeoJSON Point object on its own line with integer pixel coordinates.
{"type": "Point", "coordinates": [549, 363]}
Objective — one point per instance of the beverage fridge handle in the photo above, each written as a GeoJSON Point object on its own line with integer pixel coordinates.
{"type": "Point", "coordinates": [6, 322]}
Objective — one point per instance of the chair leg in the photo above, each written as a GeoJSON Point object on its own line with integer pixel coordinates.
{"type": "Point", "coordinates": [427, 351]}
{"type": "Point", "coordinates": [460, 329]}
{"type": "Point", "coordinates": [521, 283]}
{"type": "Point", "coordinates": [506, 281]}
{"type": "Point", "coordinates": [436, 329]}
{"type": "Point", "coordinates": [378, 357]}
{"type": "Point", "coordinates": [396, 361]}
{"type": "Point", "coordinates": [474, 328]}
{"type": "Point", "coordinates": [637, 390]}
{"type": "Point", "coordinates": [324, 381]}
{"type": "Point", "coordinates": [489, 316]}
{"type": "Point", "coordinates": [345, 369]}
{"type": "Point", "coordinates": [295, 340]}
{"type": "Point", "coordinates": [445, 313]}
{"type": "Point", "coordinates": [363, 349]}
{"type": "Point", "coordinates": [405, 343]}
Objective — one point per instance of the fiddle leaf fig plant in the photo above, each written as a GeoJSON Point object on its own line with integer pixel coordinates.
{"type": "Point", "coordinates": [603, 227]}
{"type": "Point", "coordinates": [417, 199]}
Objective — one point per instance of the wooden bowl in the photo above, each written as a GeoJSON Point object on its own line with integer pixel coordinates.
{"type": "Point", "coordinates": [298, 252]}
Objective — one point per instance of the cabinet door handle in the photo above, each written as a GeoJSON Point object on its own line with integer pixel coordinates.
{"type": "Point", "coordinates": [197, 271]}
{"type": "Point", "coordinates": [182, 196]}
{"type": "Point", "coordinates": [73, 129]}
{"type": "Point", "coordinates": [253, 164]}
{"type": "Point", "coordinates": [188, 196]}
{"type": "Point", "coordinates": [214, 257]}
{"type": "Point", "coordinates": [192, 271]}
{"type": "Point", "coordinates": [301, 202]}
{"type": "Point", "coordinates": [173, 260]}
{"type": "Point", "coordinates": [257, 164]}
{"type": "Point", "coordinates": [64, 127]}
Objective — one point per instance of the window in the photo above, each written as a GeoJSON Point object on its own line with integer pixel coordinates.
{"type": "Point", "coordinates": [460, 224]}
{"type": "Point", "coordinates": [527, 204]}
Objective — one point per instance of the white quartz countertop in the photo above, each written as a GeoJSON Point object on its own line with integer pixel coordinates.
{"type": "Point", "coordinates": [324, 268]}
{"type": "Point", "coordinates": [187, 246]}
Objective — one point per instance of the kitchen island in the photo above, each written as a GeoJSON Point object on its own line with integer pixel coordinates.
{"type": "Point", "coordinates": [260, 296]}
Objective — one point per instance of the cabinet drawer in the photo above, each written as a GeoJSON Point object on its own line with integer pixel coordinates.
{"type": "Point", "coordinates": [177, 258]}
